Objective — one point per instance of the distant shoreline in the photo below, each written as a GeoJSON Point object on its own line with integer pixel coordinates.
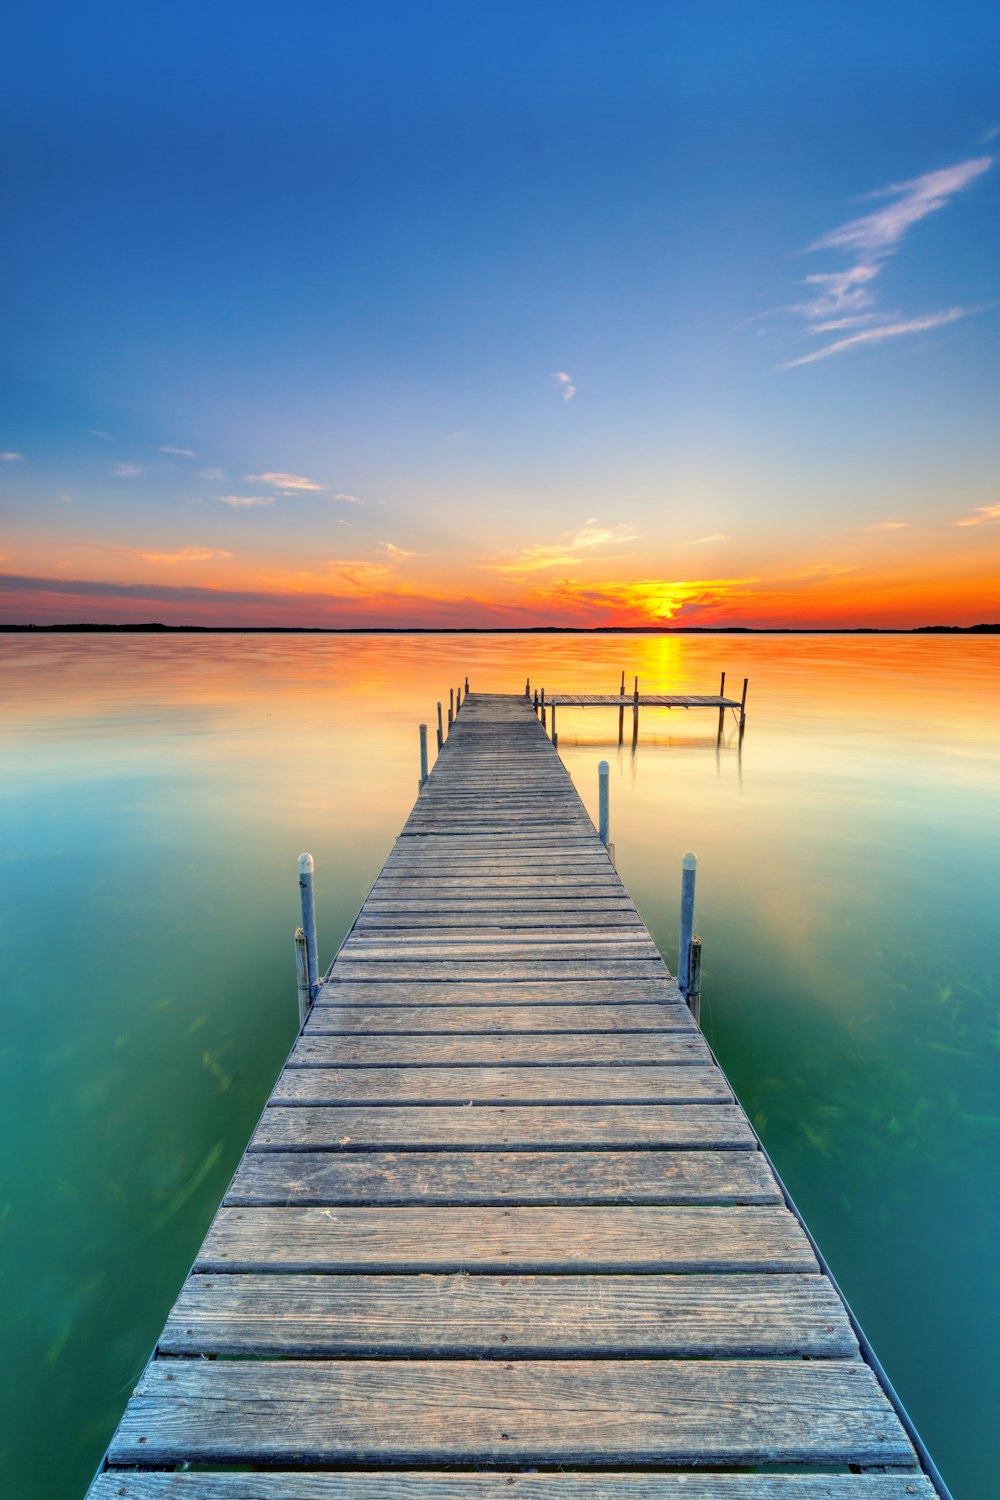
{"type": "Point", "coordinates": [156, 628]}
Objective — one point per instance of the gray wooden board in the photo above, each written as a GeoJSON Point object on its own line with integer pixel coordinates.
{"type": "Point", "coordinates": [509, 1316]}
{"type": "Point", "coordinates": [502, 1126]}
{"type": "Point", "coordinates": [659, 988]}
{"type": "Point", "coordinates": [736, 1238]}
{"type": "Point", "coordinates": [391, 1086]}
{"type": "Point", "coordinates": [586, 1048]}
{"type": "Point", "coordinates": [464, 971]}
{"type": "Point", "coordinates": [593, 1412]}
{"type": "Point", "coordinates": [132, 1484]}
{"type": "Point", "coordinates": [383, 920]}
{"type": "Point", "coordinates": [590, 1021]}
{"type": "Point", "coordinates": [550, 943]}
{"type": "Point", "coordinates": [324, 1178]}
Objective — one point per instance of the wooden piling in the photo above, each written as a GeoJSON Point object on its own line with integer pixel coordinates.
{"type": "Point", "coordinates": [302, 975]}
{"type": "Point", "coordinates": [308, 900]}
{"type": "Point", "coordinates": [694, 980]}
{"type": "Point", "coordinates": [440, 729]}
{"type": "Point", "coordinates": [743, 704]}
{"type": "Point", "coordinates": [689, 868]}
{"type": "Point", "coordinates": [423, 755]}
{"type": "Point", "coordinates": [621, 710]}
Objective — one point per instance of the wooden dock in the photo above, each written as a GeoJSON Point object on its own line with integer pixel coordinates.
{"type": "Point", "coordinates": [502, 1228]}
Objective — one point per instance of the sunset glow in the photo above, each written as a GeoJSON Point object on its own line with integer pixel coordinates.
{"type": "Point", "coordinates": [502, 319]}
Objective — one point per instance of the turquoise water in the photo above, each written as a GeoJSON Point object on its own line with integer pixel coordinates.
{"type": "Point", "coordinates": [155, 795]}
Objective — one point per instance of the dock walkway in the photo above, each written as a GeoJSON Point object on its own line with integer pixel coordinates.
{"type": "Point", "coordinates": [502, 1212]}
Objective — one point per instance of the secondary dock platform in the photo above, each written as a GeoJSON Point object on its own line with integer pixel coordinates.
{"type": "Point", "coordinates": [502, 1213]}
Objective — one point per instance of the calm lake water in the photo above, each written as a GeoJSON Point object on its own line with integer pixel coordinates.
{"type": "Point", "coordinates": [155, 795]}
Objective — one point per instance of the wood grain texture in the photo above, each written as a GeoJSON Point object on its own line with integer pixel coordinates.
{"type": "Point", "coordinates": [590, 1412]}
{"type": "Point", "coordinates": [585, 1021]}
{"type": "Point", "coordinates": [508, 1317]}
{"type": "Point", "coordinates": [547, 990]}
{"type": "Point", "coordinates": [499, 1127]}
{"type": "Point", "coordinates": [493, 1177]}
{"type": "Point", "coordinates": [578, 1050]}
{"type": "Point", "coordinates": [495, 1085]}
{"type": "Point", "coordinates": [437, 1485]}
{"type": "Point", "coordinates": [505, 1239]}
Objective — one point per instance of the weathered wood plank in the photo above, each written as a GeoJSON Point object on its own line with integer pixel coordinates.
{"type": "Point", "coordinates": [392, 1086]}
{"type": "Point", "coordinates": [588, 1021]}
{"type": "Point", "coordinates": [465, 971]}
{"type": "Point", "coordinates": [514, 1239]}
{"type": "Point", "coordinates": [326, 1178]}
{"type": "Point", "coordinates": [658, 988]}
{"type": "Point", "coordinates": [500, 1127]}
{"type": "Point", "coordinates": [581, 1049]}
{"type": "Point", "coordinates": [480, 1411]}
{"type": "Point", "coordinates": [437, 1485]}
{"type": "Point", "coordinates": [544, 1317]}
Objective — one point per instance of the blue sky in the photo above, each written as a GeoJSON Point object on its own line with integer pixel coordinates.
{"type": "Point", "coordinates": [522, 282]}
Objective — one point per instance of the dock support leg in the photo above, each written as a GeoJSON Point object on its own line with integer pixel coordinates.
{"type": "Point", "coordinates": [440, 729]}
{"type": "Point", "coordinates": [603, 803]}
{"type": "Point", "coordinates": [689, 868]}
{"type": "Point", "coordinates": [423, 755]}
{"type": "Point", "coordinates": [307, 895]}
{"type": "Point", "coordinates": [722, 711]}
{"type": "Point", "coordinates": [302, 976]}
{"type": "Point", "coordinates": [694, 981]}
{"type": "Point", "coordinates": [743, 705]}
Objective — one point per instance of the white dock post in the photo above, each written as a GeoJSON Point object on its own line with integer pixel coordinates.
{"type": "Point", "coordinates": [604, 812]}
{"type": "Point", "coordinates": [423, 755]}
{"type": "Point", "coordinates": [694, 981]}
{"type": "Point", "coordinates": [302, 976]}
{"type": "Point", "coordinates": [440, 729]}
{"type": "Point", "coordinates": [689, 868]}
{"type": "Point", "coordinates": [309, 920]}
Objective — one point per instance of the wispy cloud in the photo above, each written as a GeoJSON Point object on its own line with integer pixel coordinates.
{"type": "Point", "coordinates": [884, 526]}
{"type": "Point", "coordinates": [288, 484]}
{"type": "Point", "coordinates": [181, 452]}
{"type": "Point", "coordinates": [244, 502]}
{"type": "Point", "coordinates": [211, 474]}
{"type": "Point", "coordinates": [564, 385]}
{"type": "Point", "coordinates": [350, 499]}
{"type": "Point", "coordinates": [182, 555]}
{"type": "Point", "coordinates": [126, 471]}
{"type": "Point", "coordinates": [879, 233]}
{"type": "Point", "coordinates": [11, 458]}
{"type": "Point", "coordinates": [877, 334]}
{"type": "Point", "coordinates": [105, 437]}
{"type": "Point", "coordinates": [717, 536]}
{"type": "Point", "coordinates": [398, 554]}
{"type": "Point", "coordinates": [843, 301]}
{"type": "Point", "coordinates": [983, 515]}
{"type": "Point", "coordinates": [567, 552]}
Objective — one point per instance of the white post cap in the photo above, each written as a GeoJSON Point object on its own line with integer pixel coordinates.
{"type": "Point", "coordinates": [689, 861]}
{"type": "Point", "coordinates": [305, 864]}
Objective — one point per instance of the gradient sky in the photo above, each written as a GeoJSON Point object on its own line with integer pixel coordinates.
{"type": "Point", "coordinates": [548, 313]}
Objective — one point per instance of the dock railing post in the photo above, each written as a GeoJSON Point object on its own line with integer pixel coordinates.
{"type": "Point", "coordinates": [694, 981]}
{"type": "Point", "coordinates": [423, 755]}
{"type": "Point", "coordinates": [603, 803]}
{"type": "Point", "coordinates": [555, 737]}
{"type": "Point", "coordinates": [302, 976]}
{"type": "Point", "coordinates": [440, 730]}
{"type": "Point", "coordinates": [689, 868]}
{"type": "Point", "coordinates": [307, 894]}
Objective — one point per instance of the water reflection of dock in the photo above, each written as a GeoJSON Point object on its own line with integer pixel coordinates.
{"type": "Point", "coordinates": [502, 1213]}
